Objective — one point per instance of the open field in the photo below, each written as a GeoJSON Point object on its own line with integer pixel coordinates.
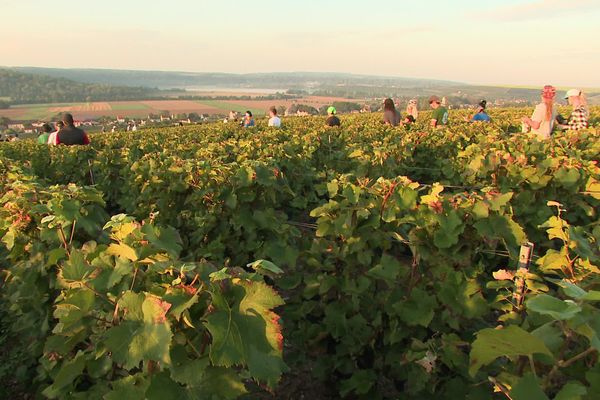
{"type": "Point", "coordinates": [138, 109]}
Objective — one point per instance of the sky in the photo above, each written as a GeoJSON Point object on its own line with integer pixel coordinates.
{"type": "Point", "coordinates": [499, 42]}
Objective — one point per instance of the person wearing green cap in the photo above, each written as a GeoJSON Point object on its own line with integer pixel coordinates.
{"type": "Point", "coordinates": [332, 120]}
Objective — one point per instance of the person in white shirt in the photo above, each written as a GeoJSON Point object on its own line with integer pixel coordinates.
{"type": "Point", "coordinates": [542, 120]}
{"type": "Point", "coordinates": [274, 121]}
{"type": "Point", "coordinates": [52, 137]}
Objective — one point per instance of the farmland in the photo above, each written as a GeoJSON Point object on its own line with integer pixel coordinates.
{"type": "Point", "coordinates": [361, 262]}
{"type": "Point", "coordinates": [139, 109]}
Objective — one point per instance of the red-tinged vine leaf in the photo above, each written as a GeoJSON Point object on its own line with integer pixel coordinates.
{"type": "Point", "coordinates": [528, 388]}
{"type": "Point", "coordinates": [141, 339]}
{"type": "Point", "coordinates": [506, 342]}
{"type": "Point", "coordinates": [155, 309]}
{"type": "Point", "coordinates": [235, 331]}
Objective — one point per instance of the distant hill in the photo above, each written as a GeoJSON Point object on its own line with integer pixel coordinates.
{"type": "Point", "coordinates": [17, 87]}
{"type": "Point", "coordinates": [109, 84]}
{"type": "Point", "coordinates": [187, 80]}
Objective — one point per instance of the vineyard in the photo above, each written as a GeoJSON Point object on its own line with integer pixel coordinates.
{"type": "Point", "coordinates": [367, 262]}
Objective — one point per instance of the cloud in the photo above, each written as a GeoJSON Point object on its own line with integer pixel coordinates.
{"type": "Point", "coordinates": [540, 9]}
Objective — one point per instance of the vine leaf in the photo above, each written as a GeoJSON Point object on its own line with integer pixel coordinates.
{"type": "Point", "coordinates": [507, 342]}
{"type": "Point", "coordinates": [233, 329]}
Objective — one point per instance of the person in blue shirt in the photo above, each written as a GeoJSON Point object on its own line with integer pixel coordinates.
{"type": "Point", "coordinates": [248, 120]}
{"type": "Point", "coordinates": [481, 115]}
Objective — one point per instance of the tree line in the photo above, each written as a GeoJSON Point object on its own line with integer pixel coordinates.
{"type": "Point", "coordinates": [22, 88]}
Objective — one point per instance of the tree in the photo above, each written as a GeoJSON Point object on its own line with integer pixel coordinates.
{"type": "Point", "coordinates": [346, 107]}
{"type": "Point", "coordinates": [281, 110]}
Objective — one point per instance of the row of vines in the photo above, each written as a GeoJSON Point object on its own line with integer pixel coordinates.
{"type": "Point", "coordinates": [362, 262]}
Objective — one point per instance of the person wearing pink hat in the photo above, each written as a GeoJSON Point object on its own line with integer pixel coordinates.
{"type": "Point", "coordinates": [580, 114]}
{"type": "Point", "coordinates": [542, 120]}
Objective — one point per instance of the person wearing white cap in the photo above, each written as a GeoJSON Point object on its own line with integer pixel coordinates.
{"type": "Point", "coordinates": [411, 108]}
{"type": "Point", "coordinates": [580, 114]}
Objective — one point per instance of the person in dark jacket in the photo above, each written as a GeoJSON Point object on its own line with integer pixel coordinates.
{"type": "Point", "coordinates": [70, 135]}
{"type": "Point", "coordinates": [391, 116]}
{"type": "Point", "coordinates": [332, 119]}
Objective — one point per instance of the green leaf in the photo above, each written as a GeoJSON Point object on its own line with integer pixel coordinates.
{"type": "Point", "coordinates": [69, 371]}
{"type": "Point", "coordinates": [360, 382]}
{"type": "Point", "coordinates": [9, 239]}
{"type": "Point", "coordinates": [219, 275]}
{"type": "Point", "coordinates": [332, 188]}
{"type": "Point", "coordinates": [407, 198]}
{"type": "Point", "coordinates": [558, 309]}
{"type": "Point", "coordinates": [527, 389]}
{"type": "Point", "coordinates": [507, 342]}
{"type": "Point", "coordinates": [180, 301]}
{"type": "Point", "coordinates": [260, 265]}
{"type": "Point", "coordinates": [165, 239]}
{"type": "Point", "coordinates": [388, 269]}
{"type": "Point", "coordinates": [162, 387]}
{"type": "Point", "coordinates": [480, 210]}
{"type": "Point", "coordinates": [418, 309]}
{"type": "Point", "coordinates": [567, 177]}
{"type": "Point", "coordinates": [499, 201]}
{"type": "Point", "coordinates": [571, 391]}
{"type": "Point", "coordinates": [131, 387]}
{"type": "Point", "coordinates": [131, 304]}
{"type": "Point", "coordinates": [185, 370]}
{"type": "Point", "coordinates": [451, 226]}
{"type": "Point", "coordinates": [76, 269]}
{"type": "Point", "coordinates": [222, 383]}
{"type": "Point", "coordinates": [55, 255]}
{"type": "Point", "coordinates": [118, 339]}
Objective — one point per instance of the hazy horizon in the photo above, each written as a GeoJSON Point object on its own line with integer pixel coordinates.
{"type": "Point", "coordinates": [510, 42]}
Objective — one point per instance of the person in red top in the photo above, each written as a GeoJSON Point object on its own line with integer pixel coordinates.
{"type": "Point", "coordinates": [70, 135]}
